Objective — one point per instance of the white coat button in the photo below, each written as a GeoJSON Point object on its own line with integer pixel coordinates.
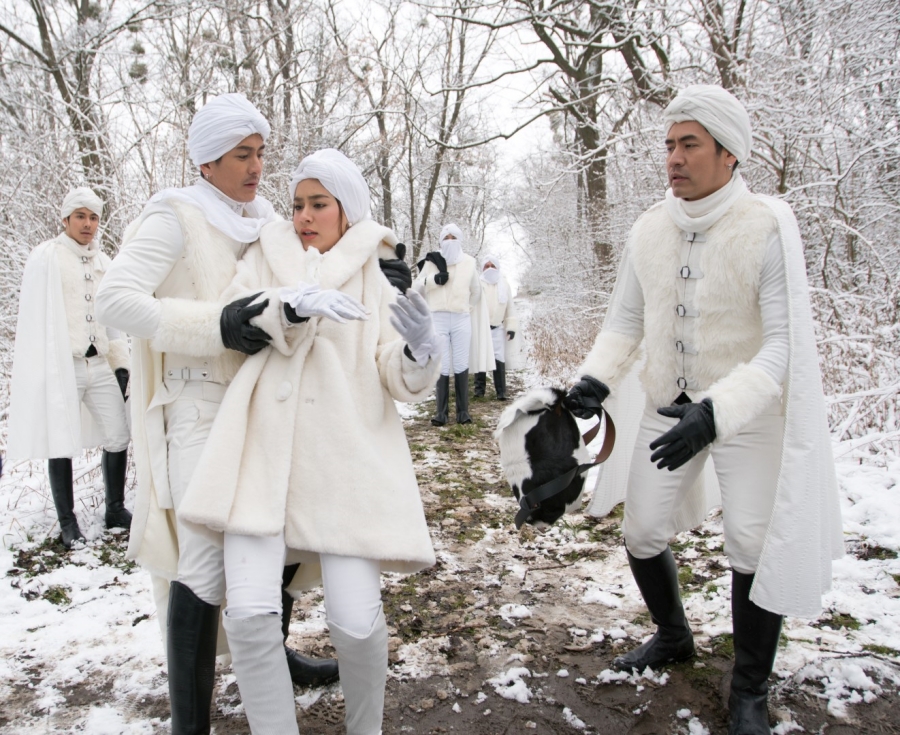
{"type": "Point", "coordinates": [92, 338]}
{"type": "Point", "coordinates": [284, 391]}
{"type": "Point", "coordinates": [90, 317]}
{"type": "Point", "coordinates": [87, 297]}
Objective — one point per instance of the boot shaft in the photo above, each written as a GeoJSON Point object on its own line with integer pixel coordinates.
{"type": "Point", "coordinates": [756, 635]}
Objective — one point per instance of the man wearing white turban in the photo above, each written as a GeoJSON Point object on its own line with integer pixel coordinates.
{"type": "Point", "coordinates": [70, 373]}
{"type": "Point", "coordinates": [712, 283]}
{"type": "Point", "coordinates": [503, 322]}
{"type": "Point", "coordinates": [164, 290]}
{"type": "Point", "coordinates": [448, 279]}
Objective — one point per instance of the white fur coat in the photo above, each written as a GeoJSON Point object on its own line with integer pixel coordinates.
{"type": "Point", "coordinates": [308, 439]}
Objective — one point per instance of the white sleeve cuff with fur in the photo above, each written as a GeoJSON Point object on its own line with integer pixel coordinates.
{"type": "Point", "coordinates": [189, 327]}
{"type": "Point", "coordinates": [285, 335]}
{"type": "Point", "coordinates": [118, 355]}
{"type": "Point", "coordinates": [740, 397]}
{"type": "Point", "coordinates": [406, 380]}
{"type": "Point", "coordinates": [610, 358]}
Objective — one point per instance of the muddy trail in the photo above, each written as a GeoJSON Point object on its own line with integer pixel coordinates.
{"type": "Point", "coordinates": [515, 631]}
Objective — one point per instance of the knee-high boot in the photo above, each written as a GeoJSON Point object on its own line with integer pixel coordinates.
{"type": "Point", "coordinates": [756, 635]}
{"type": "Point", "coordinates": [442, 401]}
{"type": "Point", "coordinates": [115, 470]}
{"type": "Point", "coordinates": [657, 579]}
{"type": "Point", "coordinates": [480, 385]}
{"type": "Point", "coordinates": [461, 386]}
{"type": "Point", "coordinates": [59, 472]}
{"type": "Point", "coordinates": [364, 663]}
{"type": "Point", "coordinates": [305, 671]}
{"type": "Point", "coordinates": [192, 628]}
{"type": "Point", "coordinates": [500, 381]}
{"type": "Point", "coordinates": [257, 657]}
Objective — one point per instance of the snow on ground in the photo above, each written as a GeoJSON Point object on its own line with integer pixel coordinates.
{"type": "Point", "coordinates": [87, 619]}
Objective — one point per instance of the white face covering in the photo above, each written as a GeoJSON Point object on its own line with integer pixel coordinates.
{"type": "Point", "coordinates": [451, 249]}
{"type": "Point", "coordinates": [341, 177]}
{"type": "Point", "coordinates": [492, 277]}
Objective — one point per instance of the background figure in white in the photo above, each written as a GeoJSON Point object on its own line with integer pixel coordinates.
{"type": "Point", "coordinates": [164, 290]}
{"type": "Point", "coordinates": [713, 284]}
{"type": "Point", "coordinates": [448, 279]}
{"type": "Point", "coordinates": [503, 320]}
{"type": "Point", "coordinates": [275, 473]}
{"type": "Point", "coordinates": [70, 373]}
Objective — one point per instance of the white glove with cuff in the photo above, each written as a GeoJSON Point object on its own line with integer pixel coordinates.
{"type": "Point", "coordinates": [308, 300]}
{"type": "Point", "coordinates": [411, 317]}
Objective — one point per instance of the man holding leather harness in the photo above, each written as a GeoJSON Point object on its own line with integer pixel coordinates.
{"type": "Point", "coordinates": [713, 282]}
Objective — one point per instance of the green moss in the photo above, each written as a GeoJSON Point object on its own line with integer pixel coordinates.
{"type": "Point", "coordinates": [57, 595]}
{"type": "Point", "coordinates": [845, 621]}
{"type": "Point", "coordinates": [723, 645]}
{"type": "Point", "coordinates": [462, 431]}
{"type": "Point", "coordinates": [881, 650]}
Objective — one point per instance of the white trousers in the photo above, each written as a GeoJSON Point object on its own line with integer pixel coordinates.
{"type": "Point", "coordinates": [747, 470]}
{"type": "Point", "coordinates": [253, 571]}
{"type": "Point", "coordinates": [188, 421]}
{"type": "Point", "coordinates": [498, 339]}
{"type": "Point", "coordinates": [99, 390]}
{"type": "Point", "coordinates": [457, 331]}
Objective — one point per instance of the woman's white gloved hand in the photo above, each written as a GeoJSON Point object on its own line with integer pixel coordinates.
{"type": "Point", "coordinates": [411, 317]}
{"type": "Point", "coordinates": [308, 300]}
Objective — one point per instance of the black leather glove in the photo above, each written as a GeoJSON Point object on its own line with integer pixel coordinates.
{"type": "Point", "coordinates": [122, 380]}
{"type": "Point", "coordinates": [510, 335]}
{"type": "Point", "coordinates": [681, 443]}
{"type": "Point", "coordinates": [442, 276]}
{"type": "Point", "coordinates": [585, 397]}
{"type": "Point", "coordinates": [237, 331]}
{"type": "Point", "coordinates": [397, 271]}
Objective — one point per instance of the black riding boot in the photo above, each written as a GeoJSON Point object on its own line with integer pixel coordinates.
{"type": "Point", "coordinates": [461, 386]}
{"type": "Point", "coordinates": [115, 468]}
{"type": "Point", "coordinates": [59, 472]}
{"type": "Point", "coordinates": [305, 671]}
{"type": "Point", "coordinates": [480, 384]}
{"type": "Point", "coordinates": [756, 635]}
{"type": "Point", "coordinates": [192, 627]}
{"type": "Point", "coordinates": [657, 579]}
{"type": "Point", "coordinates": [442, 401]}
{"type": "Point", "coordinates": [500, 381]}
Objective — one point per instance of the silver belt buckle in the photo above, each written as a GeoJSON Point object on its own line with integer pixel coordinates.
{"type": "Point", "coordinates": [187, 374]}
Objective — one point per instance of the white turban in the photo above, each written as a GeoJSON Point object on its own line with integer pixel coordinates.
{"type": "Point", "coordinates": [221, 124]}
{"type": "Point", "coordinates": [718, 111]}
{"type": "Point", "coordinates": [451, 249]}
{"type": "Point", "coordinates": [81, 197]}
{"type": "Point", "coordinates": [341, 177]}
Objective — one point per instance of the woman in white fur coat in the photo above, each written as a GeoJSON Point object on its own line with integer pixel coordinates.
{"type": "Point", "coordinates": [308, 452]}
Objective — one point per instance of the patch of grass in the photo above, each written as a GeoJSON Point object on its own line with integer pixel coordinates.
{"type": "Point", "coordinates": [723, 645]}
{"type": "Point", "coordinates": [836, 621]}
{"type": "Point", "coordinates": [618, 512]}
{"type": "Point", "coordinates": [874, 551]}
{"type": "Point", "coordinates": [57, 595]}
{"type": "Point", "coordinates": [462, 431]}
{"type": "Point", "coordinates": [472, 534]}
{"type": "Point", "coordinates": [642, 619]}
{"type": "Point", "coordinates": [881, 650]}
{"type": "Point", "coordinates": [113, 555]}
{"type": "Point", "coordinates": [685, 576]}
{"type": "Point", "coordinates": [418, 447]}
{"type": "Point", "coordinates": [46, 557]}
{"type": "Point", "coordinates": [896, 578]}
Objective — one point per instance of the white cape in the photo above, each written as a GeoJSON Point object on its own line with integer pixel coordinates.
{"type": "Point", "coordinates": [46, 419]}
{"type": "Point", "coordinates": [804, 533]}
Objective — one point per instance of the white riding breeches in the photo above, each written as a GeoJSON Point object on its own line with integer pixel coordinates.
{"type": "Point", "coordinates": [188, 421]}
{"type": "Point", "coordinates": [498, 339]}
{"type": "Point", "coordinates": [99, 390]}
{"type": "Point", "coordinates": [747, 470]}
{"type": "Point", "coordinates": [457, 331]}
{"type": "Point", "coordinates": [254, 567]}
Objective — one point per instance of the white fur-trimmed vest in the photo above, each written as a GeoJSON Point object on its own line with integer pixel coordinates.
{"type": "Point", "coordinates": [455, 295]}
{"type": "Point", "coordinates": [206, 268]}
{"type": "Point", "coordinates": [701, 297]}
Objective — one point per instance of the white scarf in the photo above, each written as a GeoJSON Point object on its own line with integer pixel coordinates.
{"type": "Point", "coordinates": [492, 276]}
{"type": "Point", "coordinates": [88, 251]}
{"type": "Point", "coordinates": [452, 251]}
{"type": "Point", "coordinates": [700, 215]}
{"type": "Point", "coordinates": [240, 221]}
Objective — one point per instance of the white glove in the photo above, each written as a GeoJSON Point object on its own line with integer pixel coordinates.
{"type": "Point", "coordinates": [308, 299]}
{"type": "Point", "coordinates": [411, 317]}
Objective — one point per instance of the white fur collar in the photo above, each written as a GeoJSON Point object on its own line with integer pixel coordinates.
{"type": "Point", "coordinates": [290, 263]}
